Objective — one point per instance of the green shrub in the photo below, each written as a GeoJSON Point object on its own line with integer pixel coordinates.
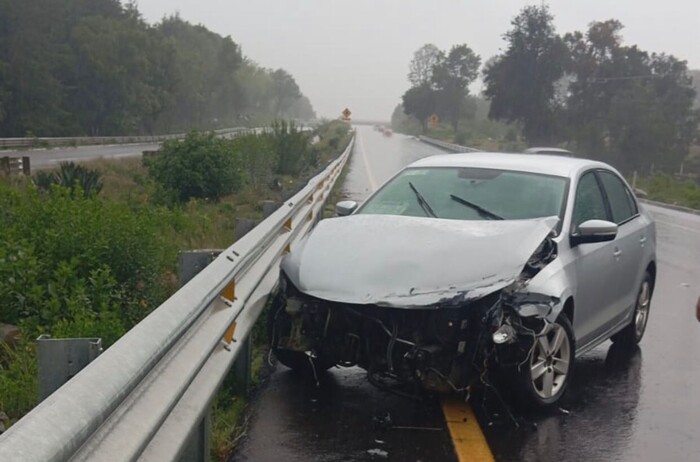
{"type": "Point", "coordinates": [56, 247]}
{"type": "Point", "coordinates": [258, 158]}
{"type": "Point", "coordinates": [664, 188]}
{"type": "Point", "coordinates": [200, 166]}
{"type": "Point", "coordinates": [72, 176]}
{"type": "Point", "coordinates": [291, 146]}
{"type": "Point", "coordinates": [19, 388]}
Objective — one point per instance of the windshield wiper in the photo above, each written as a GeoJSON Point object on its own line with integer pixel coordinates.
{"type": "Point", "coordinates": [479, 209]}
{"type": "Point", "coordinates": [422, 202]}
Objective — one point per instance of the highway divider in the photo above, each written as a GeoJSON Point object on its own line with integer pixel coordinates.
{"type": "Point", "coordinates": [43, 142]}
{"type": "Point", "coordinates": [449, 147]}
{"type": "Point", "coordinates": [146, 396]}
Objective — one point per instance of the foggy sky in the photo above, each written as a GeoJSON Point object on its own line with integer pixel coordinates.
{"type": "Point", "coordinates": [355, 53]}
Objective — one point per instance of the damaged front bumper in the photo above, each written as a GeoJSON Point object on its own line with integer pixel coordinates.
{"type": "Point", "coordinates": [437, 348]}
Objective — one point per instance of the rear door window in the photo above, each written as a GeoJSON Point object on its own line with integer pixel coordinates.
{"type": "Point", "coordinates": [622, 204]}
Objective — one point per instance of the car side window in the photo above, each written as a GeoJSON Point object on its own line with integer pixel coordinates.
{"type": "Point", "coordinates": [621, 203]}
{"type": "Point", "coordinates": [589, 202]}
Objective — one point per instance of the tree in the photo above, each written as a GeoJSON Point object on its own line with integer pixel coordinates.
{"type": "Point", "coordinates": [285, 91]}
{"type": "Point", "coordinates": [451, 77]}
{"type": "Point", "coordinates": [302, 109]}
{"type": "Point", "coordinates": [521, 82]}
{"type": "Point", "coordinates": [95, 67]}
{"type": "Point", "coordinates": [420, 102]}
{"type": "Point", "coordinates": [695, 75]}
{"type": "Point", "coordinates": [420, 70]}
{"type": "Point", "coordinates": [625, 106]}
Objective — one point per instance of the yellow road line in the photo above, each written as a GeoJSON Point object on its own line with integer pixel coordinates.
{"type": "Point", "coordinates": [468, 440]}
{"type": "Point", "coordinates": [372, 183]}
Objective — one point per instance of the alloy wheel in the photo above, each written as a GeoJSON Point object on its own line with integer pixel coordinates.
{"type": "Point", "coordinates": [549, 363]}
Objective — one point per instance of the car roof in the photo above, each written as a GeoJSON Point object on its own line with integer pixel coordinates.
{"type": "Point", "coordinates": [548, 165]}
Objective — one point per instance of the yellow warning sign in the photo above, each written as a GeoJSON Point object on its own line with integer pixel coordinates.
{"type": "Point", "coordinates": [433, 120]}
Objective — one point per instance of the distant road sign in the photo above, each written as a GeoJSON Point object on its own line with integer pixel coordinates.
{"type": "Point", "coordinates": [346, 114]}
{"type": "Point", "coordinates": [433, 120]}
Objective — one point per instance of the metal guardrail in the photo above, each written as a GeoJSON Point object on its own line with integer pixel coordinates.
{"type": "Point", "coordinates": [6, 143]}
{"type": "Point", "coordinates": [447, 146]}
{"type": "Point", "coordinates": [143, 398]}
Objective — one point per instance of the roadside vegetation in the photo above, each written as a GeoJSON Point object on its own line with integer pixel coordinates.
{"type": "Point", "coordinates": [79, 264]}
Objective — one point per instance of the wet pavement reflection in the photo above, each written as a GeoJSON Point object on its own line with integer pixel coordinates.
{"type": "Point", "coordinates": [343, 419]}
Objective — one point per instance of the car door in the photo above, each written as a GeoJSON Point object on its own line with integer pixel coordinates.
{"type": "Point", "coordinates": [594, 264]}
{"type": "Point", "coordinates": [627, 246]}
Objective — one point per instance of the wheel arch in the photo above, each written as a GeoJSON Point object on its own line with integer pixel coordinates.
{"type": "Point", "coordinates": [651, 269]}
{"type": "Point", "coordinates": [568, 309]}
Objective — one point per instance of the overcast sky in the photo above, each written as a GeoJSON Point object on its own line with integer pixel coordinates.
{"type": "Point", "coordinates": [355, 53]}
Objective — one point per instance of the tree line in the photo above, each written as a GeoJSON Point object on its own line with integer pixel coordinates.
{"type": "Point", "coordinates": [585, 90]}
{"type": "Point", "coordinates": [96, 67]}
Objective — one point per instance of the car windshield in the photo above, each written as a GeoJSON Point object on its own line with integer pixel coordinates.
{"type": "Point", "coordinates": [465, 193]}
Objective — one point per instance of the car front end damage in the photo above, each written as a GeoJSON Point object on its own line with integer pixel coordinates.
{"type": "Point", "coordinates": [449, 344]}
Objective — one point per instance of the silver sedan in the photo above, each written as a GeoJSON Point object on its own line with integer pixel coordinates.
{"type": "Point", "coordinates": [463, 263]}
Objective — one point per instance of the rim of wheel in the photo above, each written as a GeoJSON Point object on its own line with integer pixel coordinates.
{"type": "Point", "coordinates": [549, 363]}
{"type": "Point", "coordinates": [641, 315]}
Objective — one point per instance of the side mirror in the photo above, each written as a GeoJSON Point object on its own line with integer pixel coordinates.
{"type": "Point", "coordinates": [594, 231]}
{"type": "Point", "coordinates": [344, 208]}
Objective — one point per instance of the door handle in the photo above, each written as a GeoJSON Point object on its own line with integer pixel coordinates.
{"type": "Point", "coordinates": [617, 253]}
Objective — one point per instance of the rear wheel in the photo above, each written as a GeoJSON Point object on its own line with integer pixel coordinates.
{"type": "Point", "coordinates": [546, 373]}
{"type": "Point", "coordinates": [633, 333]}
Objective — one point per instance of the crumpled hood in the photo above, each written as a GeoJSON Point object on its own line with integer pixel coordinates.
{"type": "Point", "coordinates": [408, 262]}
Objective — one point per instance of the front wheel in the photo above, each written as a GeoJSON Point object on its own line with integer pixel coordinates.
{"type": "Point", "coordinates": [546, 373]}
{"type": "Point", "coordinates": [633, 333]}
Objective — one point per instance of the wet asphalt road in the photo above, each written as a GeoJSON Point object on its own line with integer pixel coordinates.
{"type": "Point", "coordinates": [642, 405]}
{"type": "Point", "coordinates": [50, 158]}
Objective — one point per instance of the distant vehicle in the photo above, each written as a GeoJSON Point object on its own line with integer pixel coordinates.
{"type": "Point", "coordinates": [388, 132]}
{"type": "Point", "coordinates": [550, 151]}
{"type": "Point", "coordinates": [463, 264]}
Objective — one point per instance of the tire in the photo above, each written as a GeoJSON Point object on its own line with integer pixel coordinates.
{"type": "Point", "coordinates": [278, 321]}
{"type": "Point", "coordinates": [543, 379]}
{"type": "Point", "coordinates": [633, 333]}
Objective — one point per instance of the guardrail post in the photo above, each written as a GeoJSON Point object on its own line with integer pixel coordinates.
{"type": "Point", "coordinates": [243, 227]}
{"type": "Point", "coordinates": [194, 261]}
{"type": "Point", "coordinates": [60, 359]}
{"type": "Point", "coordinates": [268, 207]}
{"type": "Point", "coordinates": [242, 366]}
{"type": "Point", "coordinates": [198, 447]}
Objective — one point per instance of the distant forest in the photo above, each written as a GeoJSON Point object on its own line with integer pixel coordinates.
{"type": "Point", "coordinates": [96, 67]}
